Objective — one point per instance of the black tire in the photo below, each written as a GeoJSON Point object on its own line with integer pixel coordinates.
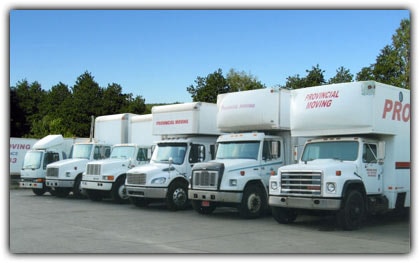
{"type": "Point", "coordinates": [77, 190]}
{"type": "Point", "coordinates": [283, 215]}
{"type": "Point", "coordinates": [118, 191]}
{"type": "Point", "coordinates": [62, 192]}
{"type": "Point", "coordinates": [38, 191]}
{"type": "Point", "coordinates": [352, 214]}
{"type": "Point", "coordinates": [139, 201]}
{"type": "Point", "coordinates": [94, 195]}
{"type": "Point", "coordinates": [204, 210]}
{"type": "Point", "coordinates": [177, 196]}
{"type": "Point", "coordinates": [254, 202]}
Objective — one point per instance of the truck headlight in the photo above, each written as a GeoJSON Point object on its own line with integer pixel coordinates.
{"type": "Point", "coordinates": [274, 185]}
{"type": "Point", "coordinates": [331, 187]}
{"type": "Point", "coordinates": [233, 182]}
{"type": "Point", "coordinates": [108, 178]}
{"type": "Point", "coordinates": [159, 180]}
{"type": "Point", "coordinates": [68, 174]}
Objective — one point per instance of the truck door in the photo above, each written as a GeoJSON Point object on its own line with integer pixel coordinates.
{"type": "Point", "coordinates": [371, 169]}
{"type": "Point", "coordinates": [271, 159]}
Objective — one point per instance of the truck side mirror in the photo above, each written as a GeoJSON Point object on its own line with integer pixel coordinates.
{"type": "Point", "coordinates": [381, 151]}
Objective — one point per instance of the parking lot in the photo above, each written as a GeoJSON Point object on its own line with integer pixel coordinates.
{"type": "Point", "coordinates": [48, 224]}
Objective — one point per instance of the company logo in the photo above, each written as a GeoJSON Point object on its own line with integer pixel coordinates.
{"type": "Point", "coordinates": [321, 99]}
{"type": "Point", "coordinates": [172, 122]}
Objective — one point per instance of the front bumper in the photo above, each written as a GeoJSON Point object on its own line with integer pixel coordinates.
{"type": "Point", "coordinates": [313, 203]}
{"type": "Point", "coordinates": [146, 192]}
{"type": "Point", "coordinates": [31, 183]}
{"type": "Point", "coordinates": [60, 183]}
{"type": "Point", "coordinates": [95, 185]}
{"type": "Point", "coordinates": [223, 197]}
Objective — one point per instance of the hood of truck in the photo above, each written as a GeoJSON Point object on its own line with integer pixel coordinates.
{"type": "Point", "coordinates": [327, 166]}
{"type": "Point", "coordinates": [232, 165]}
{"type": "Point", "coordinates": [69, 163]}
{"type": "Point", "coordinates": [152, 169]}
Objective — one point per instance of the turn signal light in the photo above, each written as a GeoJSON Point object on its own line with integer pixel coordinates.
{"type": "Point", "coordinates": [338, 173]}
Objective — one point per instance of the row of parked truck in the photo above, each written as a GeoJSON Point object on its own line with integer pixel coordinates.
{"type": "Point", "coordinates": [339, 148]}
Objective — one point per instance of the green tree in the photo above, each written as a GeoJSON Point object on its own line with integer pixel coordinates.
{"type": "Point", "coordinates": [207, 88]}
{"type": "Point", "coordinates": [314, 77]}
{"type": "Point", "coordinates": [342, 75]}
{"type": "Point", "coordinates": [29, 98]}
{"type": "Point", "coordinates": [87, 101]}
{"type": "Point", "coordinates": [392, 65]}
{"type": "Point", "coordinates": [239, 81]}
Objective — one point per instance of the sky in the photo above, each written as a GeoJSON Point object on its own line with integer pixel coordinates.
{"type": "Point", "coordinates": [157, 54]}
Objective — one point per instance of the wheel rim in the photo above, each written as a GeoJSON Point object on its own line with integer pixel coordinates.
{"type": "Point", "coordinates": [122, 192]}
{"type": "Point", "coordinates": [179, 196]}
{"type": "Point", "coordinates": [355, 210]}
{"type": "Point", "coordinates": [254, 203]}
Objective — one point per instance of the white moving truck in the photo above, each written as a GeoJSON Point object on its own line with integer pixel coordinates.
{"type": "Point", "coordinates": [65, 176]}
{"type": "Point", "coordinates": [49, 149]}
{"type": "Point", "coordinates": [188, 135]}
{"type": "Point", "coordinates": [258, 143]}
{"type": "Point", "coordinates": [359, 161]}
{"type": "Point", "coordinates": [104, 178]}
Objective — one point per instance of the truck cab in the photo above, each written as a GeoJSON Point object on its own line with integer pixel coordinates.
{"type": "Point", "coordinates": [239, 175]}
{"type": "Point", "coordinates": [166, 177]}
{"type": "Point", "coordinates": [48, 150]}
{"type": "Point", "coordinates": [103, 178]}
{"type": "Point", "coordinates": [65, 176]}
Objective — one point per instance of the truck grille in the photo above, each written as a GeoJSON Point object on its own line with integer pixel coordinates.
{"type": "Point", "coordinates": [139, 179]}
{"type": "Point", "coordinates": [205, 179]}
{"type": "Point", "coordinates": [93, 169]}
{"type": "Point", "coordinates": [301, 183]}
{"type": "Point", "coordinates": [52, 172]}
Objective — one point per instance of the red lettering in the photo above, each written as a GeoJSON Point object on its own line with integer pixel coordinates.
{"type": "Point", "coordinates": [387, 108]}
{"type": "Point", "coordinates": [406, 113]}
{"type": "Point", "coordinates": [399, 111]}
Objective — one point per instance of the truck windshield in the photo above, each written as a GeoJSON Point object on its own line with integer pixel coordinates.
{"type": "Point", "coordinates": [339, 150]}
{"type": "Point", "coordinates": [32, 160]}
{"type": "Point", "coordinates": [123, 152]}
{"type": "Point", "coordinates": [164, 151]}
{"type": "Point", "coordinates": [238, 150]}
{"type": "Point", "coordinates": [81, 151]}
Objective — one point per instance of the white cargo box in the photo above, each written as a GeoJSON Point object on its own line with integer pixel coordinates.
{"type": "Point", "coordinates": [186, 118]}
{"type": "Point", "coordinates": [113, 128]}
{"type": "Point", "coordinates": [350, 108]}
{"type": "Point", "coordinates": [254, 110]}
{"type": "Point", "coordinates": [141, 130]}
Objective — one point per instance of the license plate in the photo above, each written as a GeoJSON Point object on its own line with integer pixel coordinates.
{"type": "Point", "coordinates": [205, 203]}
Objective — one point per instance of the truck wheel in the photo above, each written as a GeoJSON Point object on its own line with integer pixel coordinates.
{"type": "Point", "coordinates": [283, 215]}
{"type": "Point", "coordinates": [118, 192]}
{"type": "Point", "coordinates": [254, 202]}
{"type": "Point", "coordinates": [177, 197]}
{"type": "Point", "coordinates": [351, 215]}
{"type": "Point", "coordinates": [139, 201]}
{"type": "Point", "coordinates": [62, 192]}
{"type": "Point", "coordinates": [77, 190]}
{"type": "Point", "coordinates": [204, 210]}
{"type": "Point", "coordinates": [39, 191]}
{"type": "Point", "coordinates": [94, 195]}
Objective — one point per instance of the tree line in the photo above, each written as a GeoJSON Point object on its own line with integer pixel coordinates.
{"type": "Point", "coordinates": [66, 110]}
